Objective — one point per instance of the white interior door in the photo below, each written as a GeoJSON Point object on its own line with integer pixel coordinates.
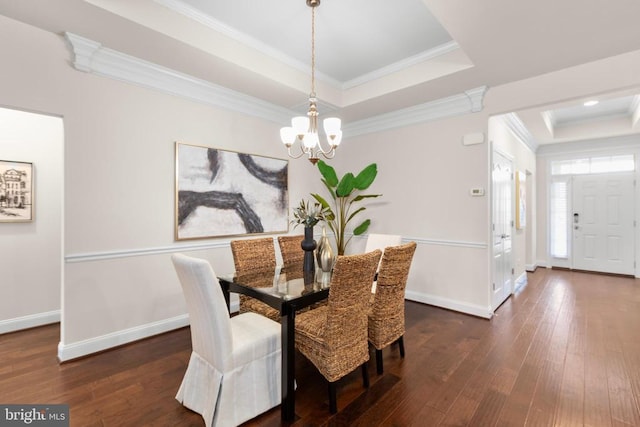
{"type": "Point", "coordinates": [603, 223]}
{"type": "Point", "coordinates": [502, 213]}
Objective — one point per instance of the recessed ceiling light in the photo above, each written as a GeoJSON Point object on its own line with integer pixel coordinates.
{"type": "Point", "coordinates": [591, 103]}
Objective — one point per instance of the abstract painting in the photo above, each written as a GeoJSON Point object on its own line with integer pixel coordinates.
{"type": "Point", "coordinates": [226, 193]}
{"type": "Point", "coordinates": [16, 191]}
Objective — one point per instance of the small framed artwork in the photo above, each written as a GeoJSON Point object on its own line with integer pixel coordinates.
{"type": "Point", "coordinates": [226, 193]}
{"type": "Point", "coordinates": [16, 191]}
{"type": "Point", "coordinates": [521, 200]}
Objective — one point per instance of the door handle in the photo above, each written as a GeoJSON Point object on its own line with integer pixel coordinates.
{"type": "Point", "coordinates": [504, 236]}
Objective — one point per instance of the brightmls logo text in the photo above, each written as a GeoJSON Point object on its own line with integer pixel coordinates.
{"type": "Point", "coordinates": [36, 415]}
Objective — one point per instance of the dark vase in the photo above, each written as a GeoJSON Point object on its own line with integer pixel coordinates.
{"type": "Point", "coordinates": [308, 245]}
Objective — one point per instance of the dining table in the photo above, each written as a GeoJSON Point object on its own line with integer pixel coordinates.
{"type": "Point", "coordinates": [287, 289]}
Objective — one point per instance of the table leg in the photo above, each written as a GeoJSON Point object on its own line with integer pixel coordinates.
{"type": "Point", "coordinates": [287, 323]}
{"type": "Point", "coordinates": [225, 292]}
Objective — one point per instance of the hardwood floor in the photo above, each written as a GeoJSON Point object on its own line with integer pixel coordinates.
{"type": "Point", "coordinates": [565, 351]}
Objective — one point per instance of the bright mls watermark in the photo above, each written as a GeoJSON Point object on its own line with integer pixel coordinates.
{"type": "Point", "coordinates": [34, 415]}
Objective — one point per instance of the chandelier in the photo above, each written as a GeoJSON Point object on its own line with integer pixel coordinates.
{"type": "Point", "coordinates": [305, 129]}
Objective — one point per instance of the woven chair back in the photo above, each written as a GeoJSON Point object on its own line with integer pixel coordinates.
{"type": "Point", "coordinates": [254, 254]}
{"type": "Point", "coordinates": [347, 306]}
{"type": "Point", "coordinates": [291, 251]}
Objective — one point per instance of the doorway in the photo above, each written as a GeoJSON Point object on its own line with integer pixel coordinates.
{"type": "Point", "coordinates": [502, 225]}
{"type": "Point", "coordinates": [32, 295]}
{"type": "Point", "coordinates": [592, 214]}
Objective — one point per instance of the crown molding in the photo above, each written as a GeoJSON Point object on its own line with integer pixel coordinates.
{"type": "Point", "coordinates": [197, 15]}
{"type": "Point", "coordinates": [610, 144]}
{"type": "Point", "coordinates": [515, 125]}
{"type": "Point", "coordinates": [401, 65]}
{"type": "Point", "coordinates": [467, 102]}
{"type": "Point", "coordinates": [92, 57]}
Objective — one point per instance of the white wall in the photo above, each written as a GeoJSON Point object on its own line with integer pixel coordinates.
{"type": "Point", "coordinates": [119, 185]}
{"type": "Point", "coordinates": [31, 252]}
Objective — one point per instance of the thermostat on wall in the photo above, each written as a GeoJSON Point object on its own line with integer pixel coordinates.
{"type": "Point", "coordinates": [477, 191]}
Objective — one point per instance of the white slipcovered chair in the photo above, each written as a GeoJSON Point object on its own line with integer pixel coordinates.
{"type": "Point", "coordinates": [380, 241]}
{"type": "Point", "coordinates": [234, 369]}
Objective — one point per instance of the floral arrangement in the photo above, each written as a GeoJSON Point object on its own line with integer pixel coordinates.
{"type": "Point", "coordinates": [308, 215]}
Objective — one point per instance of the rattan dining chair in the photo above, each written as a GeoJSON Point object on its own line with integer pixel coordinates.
{"type": "Point", "coordinates": [234, 369]}
{"type": "Point", "coordinates": [386, 312]}
{"type": "Point", "coordinates": [381, 241]}
{"type": "Point", "coordinates": [249, 256]}
{"type": "Point", "coordinates": [291, 251]}
{"type": "Point", "coordinates": [334, 337]}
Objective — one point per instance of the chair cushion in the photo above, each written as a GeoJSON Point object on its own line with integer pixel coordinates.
{"type": "Point", "coordinates": [254, 337]}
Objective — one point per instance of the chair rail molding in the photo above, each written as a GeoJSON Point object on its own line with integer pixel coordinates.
{"type": "Point", "coordinates": [438, 242]}
{"type": "Point", "coordinates": [126, 253]}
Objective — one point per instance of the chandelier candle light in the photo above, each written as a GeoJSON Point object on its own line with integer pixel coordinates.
{"type": "Point", "coordinates": [305, 129]}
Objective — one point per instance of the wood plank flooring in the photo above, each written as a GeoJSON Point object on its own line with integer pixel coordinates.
{"type": "Point", "coordinates": [565, 351]}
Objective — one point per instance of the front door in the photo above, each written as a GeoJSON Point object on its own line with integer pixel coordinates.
{"type": "Point", "coordinates": [603, 223]}
{"type": "Point", "coordinates": [502, 212]}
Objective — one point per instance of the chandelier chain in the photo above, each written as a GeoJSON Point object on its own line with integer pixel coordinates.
{"type": "Point", "coordinates": [313, 51]}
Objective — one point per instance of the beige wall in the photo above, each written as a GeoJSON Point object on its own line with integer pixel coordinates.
{"type": "Point", "coordinates": [425, 174]}
{"type": "Point", "coordinates": [119, 185]}
{"type": "Point", "coordinates": [119, 283]}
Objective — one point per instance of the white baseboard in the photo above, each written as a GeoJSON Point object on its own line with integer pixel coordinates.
{"type": "Point", "coordinates": [542, 264]}
{"type": "Point", "coordinates": [104, 342]}
{"type": "Point", "coordinates": [449, 304]}
{"type": "Point", "coordinates": [520, 282]}
{"type": "Point", "coordinates": [31, 321]}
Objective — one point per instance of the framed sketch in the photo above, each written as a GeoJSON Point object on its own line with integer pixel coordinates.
{"type": "Point", "coordinates": [16, 191]}
{"type": "Point", "coordinates": [226, 193]}
{"type": "Point", "coordinates": [521, 200]}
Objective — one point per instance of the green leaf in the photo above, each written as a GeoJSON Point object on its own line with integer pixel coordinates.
{"type": "Point", "coordinates": [329, 188]}
{"type": "Point", "coordinates": [356, 212]}
{"type": "Point", "coordinates": [366, 177]}
{"type": "Point", "coordinates": [365, 196]}
{"type": "Point", "coordinates": [328, 173]}
{"type": "Point", "coordinates": [345, 187]}
{"type": "Point", "coordinates": [361, 228]}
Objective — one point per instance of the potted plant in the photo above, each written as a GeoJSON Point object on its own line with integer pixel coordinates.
{"type": "Point", "coordinates": [345, 192]}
